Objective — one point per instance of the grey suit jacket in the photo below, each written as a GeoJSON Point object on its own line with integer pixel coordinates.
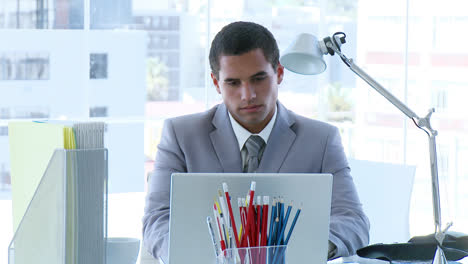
{"type": "Point", "coordinates": [205, 142]}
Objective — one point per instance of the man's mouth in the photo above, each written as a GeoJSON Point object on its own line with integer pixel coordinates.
{"type": "Point", "coordinates": [251, 108]}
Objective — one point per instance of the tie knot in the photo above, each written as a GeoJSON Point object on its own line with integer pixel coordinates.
{"type": "Point", "coordinates": [254, 144]}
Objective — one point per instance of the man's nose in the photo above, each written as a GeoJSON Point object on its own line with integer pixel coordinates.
{"type": "Point", "coordinates": [247, 92]}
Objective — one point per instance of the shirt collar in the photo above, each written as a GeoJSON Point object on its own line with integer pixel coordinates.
{"type": "Point", "coordinates": [243, 134]}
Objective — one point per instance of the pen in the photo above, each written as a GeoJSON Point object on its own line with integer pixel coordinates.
{"type": "Point", "coordinates": [231, 215]}
{"type": "Point", "coordinates": [222, 202]}
{"type": "Point", "coordinates": [210, 229]}
{"type": "Point", "coordinates": [221, 228]}
{"type": "Point", "coordinates": [250, 214]}
{"type": "Point", "coordinates": [216, 217]}
{"type": "Point", "coordinates": [240, 231]}
{"type": "Point", "coordinates": [222, 219]}
{"type": "Point", "coordinates": [230, 236]}
{"type": "Point", "coordinates": [239, 204]}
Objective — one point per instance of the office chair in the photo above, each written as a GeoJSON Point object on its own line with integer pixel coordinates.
{"type": "Point", "coordinates": [385, 192]}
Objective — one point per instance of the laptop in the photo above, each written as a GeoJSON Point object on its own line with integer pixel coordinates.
{"type": "Point", "coordinates": [192, 198]}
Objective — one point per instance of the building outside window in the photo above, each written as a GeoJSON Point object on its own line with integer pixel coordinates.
{"type": "Point", "coordinates": [98, 66]}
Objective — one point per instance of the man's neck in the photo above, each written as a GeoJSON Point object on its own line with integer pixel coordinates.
{"type": "Point", "coordinates": [242, 133]}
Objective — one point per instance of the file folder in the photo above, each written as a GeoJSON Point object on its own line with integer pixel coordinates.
{"type": "Point", "coordinates": [66, 219]}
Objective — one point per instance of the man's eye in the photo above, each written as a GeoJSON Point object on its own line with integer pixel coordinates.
{"type": "Point", "coordinates": [259, 78]}
{"type": "Point", "coordinates": [232, 83]}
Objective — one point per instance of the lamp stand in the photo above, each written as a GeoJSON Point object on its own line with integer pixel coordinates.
{"type": "Point", "coordinates": [425, 125]}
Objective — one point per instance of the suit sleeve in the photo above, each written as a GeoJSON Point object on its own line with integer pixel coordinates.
{"type": "Point", "coordinates": [169, 159]}
{"type": "Point", "coordinates": [349, 226]}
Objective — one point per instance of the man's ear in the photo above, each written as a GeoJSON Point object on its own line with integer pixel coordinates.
{"type": "Point", "coordinates": [280, 73]}
{"type": "Point", "coordinates": [215, 83]}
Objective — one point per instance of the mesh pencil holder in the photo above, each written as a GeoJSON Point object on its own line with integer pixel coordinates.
{"type": "Point", "coordinates": [254, 255]}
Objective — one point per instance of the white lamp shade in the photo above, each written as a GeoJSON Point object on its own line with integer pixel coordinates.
{"type": "Point", "coordinates": [304, 56]}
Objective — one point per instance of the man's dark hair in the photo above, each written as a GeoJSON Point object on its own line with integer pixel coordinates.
{"type": "Point", "coordinates": [240, 37]}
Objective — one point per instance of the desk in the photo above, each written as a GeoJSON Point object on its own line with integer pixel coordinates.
{"type": "Point", "coordinates": [146, 258]}
{"type": "Point", "coordinates": [357, 259]}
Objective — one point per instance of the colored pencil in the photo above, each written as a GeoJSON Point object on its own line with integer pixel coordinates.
{"type": "Point", "coordinates": [280, 240]}
{"type": "Point", "coordinates": [292, 226]}
{"type": "Point", "coordinates": [231, 214]}
{"type": "Point", "coordinates": [272, 222]}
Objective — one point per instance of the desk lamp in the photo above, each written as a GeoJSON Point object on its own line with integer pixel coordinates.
{"type": "Point", "coordinates": [305, 56]}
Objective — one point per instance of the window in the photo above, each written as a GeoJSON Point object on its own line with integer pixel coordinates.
{"type": "Point", "coordinates": [98, 66]}
{"type": "Point", "coordinates": [98, 111]}
{"type": "Point", "coordinates": [134, 63]}
{"type": "Point", "coordinates": [3, 131]}
{"type": "Point", "coordinates": [5, 68]}
{"type": "Point", "coordinates": [439, 99]}
{"type": "Point", "coordinates": [4, 113]}
{"type": "Point", "coordinates": [5, 179]}
{"type": "Point", "coordinates": [23, 65]}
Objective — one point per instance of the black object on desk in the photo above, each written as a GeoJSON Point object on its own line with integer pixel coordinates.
{"type": "Point", "coordinates": [419, 248]}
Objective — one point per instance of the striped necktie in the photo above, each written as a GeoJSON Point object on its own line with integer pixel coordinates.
{"type": "Point", "coordinates": [255, 146]}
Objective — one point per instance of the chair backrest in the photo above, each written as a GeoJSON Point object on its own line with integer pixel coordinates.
{"type": "Point", "coordinates": [385, 192]}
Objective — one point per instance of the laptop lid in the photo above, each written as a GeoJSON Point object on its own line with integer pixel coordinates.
{"type": "Point", "coordinates": [192, 198]}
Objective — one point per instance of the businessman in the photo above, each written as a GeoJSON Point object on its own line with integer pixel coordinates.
{"type": "Point", "coordinates": [251, 131]}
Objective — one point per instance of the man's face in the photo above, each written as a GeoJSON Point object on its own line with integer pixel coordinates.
{"type": "Point", "coordinates": [249, 87]}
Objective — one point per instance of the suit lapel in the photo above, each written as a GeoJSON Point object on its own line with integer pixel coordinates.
{"type": "Point", "coordinates": [225, 142]}
{"type": "Point", "coordinates": [279, 142]}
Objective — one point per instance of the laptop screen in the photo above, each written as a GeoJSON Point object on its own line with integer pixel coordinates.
{"type": "Point", "coordinates": [192, 199]}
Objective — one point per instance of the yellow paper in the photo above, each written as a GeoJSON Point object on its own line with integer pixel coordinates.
{"type": "Point", "coordinates": [31, 147]}
{"type": "Point", "coordinates": [69, 138]}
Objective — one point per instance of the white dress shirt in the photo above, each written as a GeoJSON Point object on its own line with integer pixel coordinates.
{"type": "Point", "coordinates": [243, 134]}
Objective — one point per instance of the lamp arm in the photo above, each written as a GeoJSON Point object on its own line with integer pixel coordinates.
{"type": "Point", "coordinates": [379, 88]}
{"type": "Point", "coordinates": [435, 183]}
{"type": "Point", "coordinates": [422, 123]}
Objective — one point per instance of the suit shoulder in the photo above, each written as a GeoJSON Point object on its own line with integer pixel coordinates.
{"type": "Point", "coordinates": [202, 119]}
{"type": "Point", "coordinates": [308, 123]}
